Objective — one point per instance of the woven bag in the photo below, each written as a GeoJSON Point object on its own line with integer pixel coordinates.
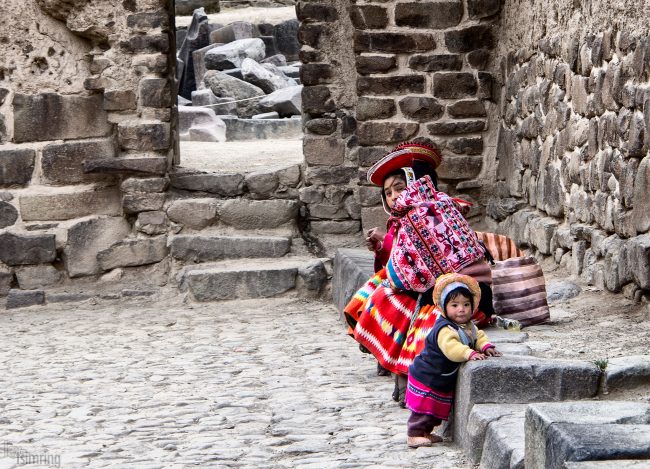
{"type": "Point", "coordinates": [433, 239]}
{"type": "Point", "coordinates": [519, 291]}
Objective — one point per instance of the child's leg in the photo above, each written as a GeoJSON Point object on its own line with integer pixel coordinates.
{"type": "Point", "coordinates": [421, 424]}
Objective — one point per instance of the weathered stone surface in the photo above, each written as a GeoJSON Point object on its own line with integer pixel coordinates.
{"type": "Point", "coordinates": [470, 38]}
{"type": "Point", "coordinates": [63, 163]}
{"type": "Point", "coordinates": [583, 431]}
{"type": "Point", "coordinates": [372, 217]}
{"type": "Point", "coordinates": [262, 183]}
{"type": "Point", "coordinates": [421, 108]}
{"type": "Point", "coordinates": [624, 373]}
{"type": "Point", "coordinates": [313, 276]}
{"type": "Point", "coordinates": [477, 9]}
{"type": "Point", "coordinates": [519, 380]}
{"type": "Point", "coordinates": [155, 92]}
{"type": "Point", "coordinates": [67, 205]}
{"type": "Point", "coordinates": [278, 60]}
{"type": "Point", "coordinates": [227, 184]}
{"type": "Point", "coordinates": [186, 7]}
{"type": "Point", "coordinates": [286, 39]}
{"type": "Point", "coordinates": [441, 14]}
{"type": "Point", "coordinates": [377, 133]}
{"type": "Point", "coordinates": [375, 108]}
{"type": "Point", "coordinates": [119, 100]}
{"type": "Point", "coordinates": [369, 16]}
{"type": "Point", "coordinates": [135, 202]}
{"type": "Point", "coordinates": [370, 155]}
{"type": "Point", "coordinates": [481, 418]}
{"type": "Point", "coordinates": [328, 212]}
{"type": "Point", "coordinates": [335, 227]}
{"type": "Point", "coordinates": [152, 223]}
{"type": "Point", "coordinates": [16, 166]}
{"type": "Point", "coordinates": [250, 129]}
{"type": "Point", "coordinates": [145, 165]}
{"type": "Point", "coordinates": [393, 42]}
{"type": "Point", "coordinates": [286, 102]}
{"type": "Point", "coordinates": [235, 31]}
{"type": "Point", "coordinates": [542, 231]}
{"type": "Point", "coordinates": [133, 252]}
{"type": "Point", "coordinates": [504, 444]}
{"type": "Point", "coordinates": [368, 64]}
{"type": "Point", "coordinates": [8, 215]}
{"type": "Point", "coordinates": [144, 185]}
{"type": "Point", "coordinates": [456, 127]}
{"type": "Point", "coordinates": [35, 277]}
{"type": "Point", "coordinates": [143, 44]}
{"type": "Point", "coordinates": [331, 175]}
{"type": "Point", "coordinates": [466, 145]}
{"type": "Point", "coordinates": [213, 248]}
{"type": "Point", "coordinates": [22, 299]}
{"type": "Point", "coordinates": [460, 167]}
{"type": "Point", "coordinates": [258, 214]}
{"type": "Point", "coordinates": [640, 200]}
{"type": "Point", "coordinates": [638, 260]}
{"type": "Point", "coordinates": [324, 151]}
{"type": "Point", "coordinates": [317, 100]}
{"type": "Point", "coordinates": [478, 58]}
{"type": "Point", "coordinates": [561, 291]}
{"type": "Point", "coordinates": [193, 213]}
{"type": "Point", "coordinates": [314, 74]}
{"type": "Point", "coordinates": [24, 249]}
{"type": "Point", "coordinates": [390, 85]}
{"type": "Point", "coordinates": [454, 85]}
{"type": "Point", "coordinates": [152, 136]}
{"type": "Point", "coordinates": [6, 279]}
{"type": "Point", "coordinates": [467, 108]}
{"type": "Point", "coordinates": [87, 238]}
{"type": "Point", "coordinates": [322, 126]}
{"type": "Point", "coordinates": [223, 85]}
{"type": "Point", "coordinates": [50, 116]}
{"type": "Point", "coordinates": [352, 269]}
{"type": "Point", "coordinates": [267, 77]}
{"type": "Point", "coordinates": [231, 55]}
{"type": "Point", "coordinates": [436, 62]}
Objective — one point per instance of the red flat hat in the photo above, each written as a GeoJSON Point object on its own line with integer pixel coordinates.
{"type": "Point", "coordinates": [403, 155]}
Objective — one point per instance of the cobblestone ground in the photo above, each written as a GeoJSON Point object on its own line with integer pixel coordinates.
{"type": "Point", "coordinates": [161, 384]}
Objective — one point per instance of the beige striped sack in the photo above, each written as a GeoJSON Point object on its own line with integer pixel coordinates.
{"type": "Point", "coordinates": [519, 290]}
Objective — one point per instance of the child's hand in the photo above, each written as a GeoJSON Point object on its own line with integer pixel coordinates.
{"type": "Point", "coordinates": [492, 352]}
{"type": "Point", "coordinates": [374, 239]}
{"type": "Point", "coordinates": [477, 356]}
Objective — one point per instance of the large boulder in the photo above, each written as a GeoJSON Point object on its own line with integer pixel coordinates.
{"type": "Point", "coordinates": [268, 77]}
{"type": "Point", "coordinates": [224, 85]}
{"type": "Point", "coordinates": [232, 54]}
{"type": "Point", "coordinates": [200, 125]}
{"type": "Point", "coordinates": [286, 102]}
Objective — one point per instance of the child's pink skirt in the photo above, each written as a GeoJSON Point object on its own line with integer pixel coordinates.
{"type": "Point", "coordinates": [424, 400]}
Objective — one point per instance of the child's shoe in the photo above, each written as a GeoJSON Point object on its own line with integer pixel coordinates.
{"type": "Point", "coordinates": [418, 441]}
{"type": "Point", "coordinates": [434, 438]}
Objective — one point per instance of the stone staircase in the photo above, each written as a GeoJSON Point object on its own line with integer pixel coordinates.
{"type": "Point", "coordinates": [521, 411]}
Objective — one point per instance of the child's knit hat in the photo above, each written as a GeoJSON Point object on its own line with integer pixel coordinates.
{"type": "Point", "coordinates": [448, 282]}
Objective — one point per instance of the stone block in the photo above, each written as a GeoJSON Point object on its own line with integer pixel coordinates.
{"type": "Point", "coordinates": [370, 155]}
{"type": "Point", "coordinates": [378, 133]}
{"type": "Point", "coordinates": [640, 199]}
{"type": "Point", "coordinates": [62, 163]}
{"type": "Point", "coordinates": [149, 20]}
{"type": "Point", "coordinates": [331, 175]}
{"type": "Point", "coordinates": [542, 231]}
{"type": "Point", "coordinates": [51, 116]}
{"type": "Point", "coordinates": [25, 249]}
{"type": "Point", "coordinates": [235, 31]}
{"type": "Point", "coordinates": [119, 100]}
{"type": "Point", "coordinates": [393, 42]}
{"type": "Point", "coordinates": [258, 214]}
{"type": "Point", "coordinates": [460, 167]}
{"type": "Point", "coordinates": [391, 85]}
{"type": "Point", "coordinates": [87, 238]}
{"type": "Point", "coordinates": [194, 249]}
{"type": "Point", "coordinates": [152, 223]}
{"type": "Point", "coordinates": [286, 101]}
{"type": "Point", "coordinates": [584, 431]}
{"type": "Point", "coordinates": [369, 16]}
{"type": "Point", "coordinates": [466, 145]}
{"type": "Point", "coordinates": [261, 129]}
{"type": "Point", "coordinates": [456, 127]}
{"type": "Point", "coordinates": [16, 166]}
{"type": "Point", "coordinates": [519, 380]}
{"type": "Point", "coordinates": [352, 269]}
{"type": "Point", "coordinates": [22, 299]}
{"type": "Point", "coordinates": [136, 202]}
{"type": "Point", "coordinates": [481, 418]}
{"type": "Point", "coordinates": [315, 74]}
{"type": "Point", "coordinates": [155, 92]}
{"type": "Point", "coordinates": [193, 213]}
{"type": "Point", "coordinates": [370, 196]}
{"type": "Point", "coordinates": [335, 227]}
{"type": "Point", "coordinates": [286, 39]}
{"type": "Point", "coordinates": [6, 279]}
{"type": "Point", "coordinates": [153, 136]}
{"type": "Point", "coordinates": [155, 63]}
{"type": "Point", "coordinates": [470, 38]}
{"type": "Point", "coordinates": [504, 444]}
{"type": "Point", "coordinates": [133, 252]}
{"type": "Point", "coordinates": [144, 185]}
{"type": "Point", "coordinates": [328, 151]}
{"type": "Point", "coordinates": [369, 64]}
{"type": "Point", "coordinates": [421, 108]}
{"type": "Point", "coordinates": [624, 373]}
{"type": "Point", "coordinates": [440, 14]}
{"type": "Point", "coordinates": [226, 184]}
{"type": "Point", "coordinates": [436, 62]}
{"type": "Point", "coordinates": [467, 108]}
{"type": "Point", "coordinates": [478, 59]}
{"type": "Point", "coordinates": [34, 277]}
{"type": "Point", "coordinates": [317, 100]}
{"type": "Point", "coordinates": [328, 212]}
{"type": "Point", "coordinates": [144, 165]}
{"type": "Point", "coordinates": [313, 276]}
{"type": "Point", "coordinates": [187, 7]}
{"type": "Point", "coordinates": [477, 9]}
{"type": "Point", "coordinates": [638, 260]}
{"type": "Point", "coordinates": [321, 126]}
{"type": "Point", "coordinates": [262, 183]}
{"type": "Point", "coordinates": [373, 217]}
{"type": "Point", "coordinates": [67, 205]}
{"type": "Point", "coordinates": [267, 76]}
{"type": "Point", "coordinates": [454, 85]}
{"type": "Point", "coordinates": [144, 44]}
{"type": "Point", "coordinates": [375, 108]}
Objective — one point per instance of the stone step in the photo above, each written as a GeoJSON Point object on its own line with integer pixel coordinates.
{"type": "Point", "coordinates": [561, 432]}
{"type": "Point", "coordinates": [625, 373]}
{"type": "Point", "coordinates": [258, 278]}
{"type": "Point", "coordinates": [201, 248]}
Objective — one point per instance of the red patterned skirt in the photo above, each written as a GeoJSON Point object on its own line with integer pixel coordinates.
{"type": "Point", "coordinates": [425, 400]}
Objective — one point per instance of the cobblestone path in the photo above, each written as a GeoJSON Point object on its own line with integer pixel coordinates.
{"type": "Point", "coordinates": [268, 384]}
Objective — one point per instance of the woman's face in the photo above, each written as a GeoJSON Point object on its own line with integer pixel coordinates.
{"type": "Point", "coordinates": [393, 187]}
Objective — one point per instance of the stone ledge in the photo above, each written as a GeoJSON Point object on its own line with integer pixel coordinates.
{"type": "Point", "coordinates": [352, 268]}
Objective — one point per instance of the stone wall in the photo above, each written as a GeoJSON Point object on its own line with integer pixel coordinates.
{"type": "Point", "coordinates": [379, 73]}
{"type": "Point", "coordinates": [85, 102]}
{"type": "Point", "coordinates": [573, 167]}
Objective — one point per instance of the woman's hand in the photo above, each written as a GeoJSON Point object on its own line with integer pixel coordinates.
{"type": "Point", "coordinates": [477, 356]}
{"type": "Point", "coordinates": [492, 352]}
{"type": "Point", "coordinates": [374, 239]}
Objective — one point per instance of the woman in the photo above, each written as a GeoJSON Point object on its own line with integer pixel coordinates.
{"type": "Point", "coordinates": [389, 323]}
